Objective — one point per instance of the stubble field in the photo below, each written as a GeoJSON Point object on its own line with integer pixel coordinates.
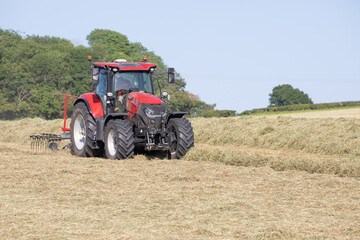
{"type": "Point", "coordinates": [282, 177]}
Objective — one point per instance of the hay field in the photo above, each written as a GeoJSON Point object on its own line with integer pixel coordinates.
{"type": "Point", "coordinates": [265, 178]}
{"type": "Point", "coordinates": [317, 145]}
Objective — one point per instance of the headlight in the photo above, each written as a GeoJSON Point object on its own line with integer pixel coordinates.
{"type": "Point", "coordinates": [149, 112]}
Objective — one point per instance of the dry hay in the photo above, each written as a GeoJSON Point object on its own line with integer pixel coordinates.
{"type": "Point", "coordinates": [318, 136]}
{"type": "Point", "coordinates": [59, 196]}
{"type": "Point", "coordinates": [53, 195]}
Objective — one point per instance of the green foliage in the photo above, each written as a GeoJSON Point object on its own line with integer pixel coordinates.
{"type": "Point", "coordinates": [219, 113]}
{"type": "Point", "coordinates": [36, 70]}
{"type": "Point", "coordinates": [285, 94]}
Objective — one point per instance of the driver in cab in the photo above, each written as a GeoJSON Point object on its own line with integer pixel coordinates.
{"type": "Point", "coordinates": [122, 87]}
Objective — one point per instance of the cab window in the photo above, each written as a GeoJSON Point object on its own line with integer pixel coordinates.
{"type": "Point", "coordinates": [135, 81]}
{"type": "Point", "coordinates": [101, 88]}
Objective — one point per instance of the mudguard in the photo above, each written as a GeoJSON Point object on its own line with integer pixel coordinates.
{"type": "Point", "coordinates": [171, 115]}
{"type": "Point", "coordinates": [93, 103]}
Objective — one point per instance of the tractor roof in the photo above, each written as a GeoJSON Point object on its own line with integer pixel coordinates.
{"type": "Point", "coordinates": [130, 66]}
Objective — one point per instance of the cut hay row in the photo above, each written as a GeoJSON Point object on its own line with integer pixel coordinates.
{"type": "Point", "coordinates": [316, 145]}
{"type": "Point", "coordinates": [317, 136]}
{"type": "Point", "coordinates": [279, 160]}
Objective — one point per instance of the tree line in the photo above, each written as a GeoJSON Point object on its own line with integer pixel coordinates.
{"type": "Point", "coordinates": [35, 72]}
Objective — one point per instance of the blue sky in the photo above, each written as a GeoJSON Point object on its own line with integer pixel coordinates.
{"type": "Point", "coordinates": [231, 53]}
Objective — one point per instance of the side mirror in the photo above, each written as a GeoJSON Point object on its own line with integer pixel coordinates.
{"type": "Point", "coordinates": [171, 75]}
{"type": "Point", "coordinates": [95, 76]}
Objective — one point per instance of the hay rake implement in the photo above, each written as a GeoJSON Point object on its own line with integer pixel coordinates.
{"type": "Point", "coordinates": [49, 141]}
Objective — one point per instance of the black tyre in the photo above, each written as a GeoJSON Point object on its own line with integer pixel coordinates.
{"type": "Point", "coordinates": [181, 137]}
{"type": "Point", "coordinates": [119, 139]}
{"type": "Point", "coordinates": [83, 127]}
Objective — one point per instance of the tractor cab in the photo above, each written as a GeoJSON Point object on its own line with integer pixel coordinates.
{"type": "Point", "coordinates": [113, 82]}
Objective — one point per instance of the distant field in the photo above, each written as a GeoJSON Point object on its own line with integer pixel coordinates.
{"type": "Point", "coordinates": [301, 108]}
{"type": "Point", "coordinates": [274, 177]}
{"type": "Point", "coordinates": [336, 113]}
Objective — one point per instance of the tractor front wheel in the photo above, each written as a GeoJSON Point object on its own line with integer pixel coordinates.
{"type": "Point", "coordinates": [119, 139]}
{"type": "Point", "coordinates": [83, 127]}
{"type": "Point", "coordinates": [181, 137]}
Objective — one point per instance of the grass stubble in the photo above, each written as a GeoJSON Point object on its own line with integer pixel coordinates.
{"type": "Point", "coordinates": [53, 195]}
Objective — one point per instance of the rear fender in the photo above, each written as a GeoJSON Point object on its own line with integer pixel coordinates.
{"type": "Point", "coordinates": [93, 103]}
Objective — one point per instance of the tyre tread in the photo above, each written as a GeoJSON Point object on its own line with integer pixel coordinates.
{"type": "Point", "coordinates": [125, 138]}
{"type": "Point", "coordinates": [185, 136]}
{"type": "Point", "coordinates": [90, 150]}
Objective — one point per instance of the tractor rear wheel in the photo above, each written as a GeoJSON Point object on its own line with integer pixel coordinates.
{"type": "Point", "coordinates": [83, 128]}
{"type": "Point", "coordinates": [181, 137]}
{"type": "Point", "coordinates": [119, 139]}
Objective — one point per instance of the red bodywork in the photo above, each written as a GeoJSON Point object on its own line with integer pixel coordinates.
{"type": "Point", "coordinates": [123, 67]}
{"type": "Point", "coordinates": [134, 100]}
{"type": "Point", "coordinates": [94, 104]}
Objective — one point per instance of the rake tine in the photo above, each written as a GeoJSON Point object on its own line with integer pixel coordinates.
{"type": "Point", "coordinates": [31, 143]}
{"type": "Point", "coordinates": [42, 141]}
{"type": "Point", "coordinates": [48, 144]}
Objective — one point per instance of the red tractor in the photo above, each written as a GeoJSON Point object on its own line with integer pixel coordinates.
{"type": "Point", "coordinates": [123, 113]}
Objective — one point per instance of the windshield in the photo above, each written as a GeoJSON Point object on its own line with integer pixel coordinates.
{"type": "Point", "coordinates": [135, 81]}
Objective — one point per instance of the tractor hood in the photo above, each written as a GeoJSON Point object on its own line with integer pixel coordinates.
{"type": "Point", "coordinates": [140, 97]}
{"type": "Point", "coordinates": [135, 99]}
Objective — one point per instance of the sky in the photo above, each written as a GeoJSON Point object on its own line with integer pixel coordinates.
{"type": "Point", "coordinates": [231, 53]}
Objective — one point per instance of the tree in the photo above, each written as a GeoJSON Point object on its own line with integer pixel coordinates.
{"type": "Point", "coordinates": [287, 95]}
